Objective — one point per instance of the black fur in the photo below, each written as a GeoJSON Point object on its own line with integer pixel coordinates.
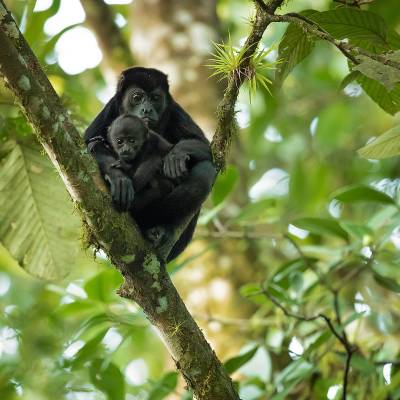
{"type": "Point", "coordinates": [190, 147]}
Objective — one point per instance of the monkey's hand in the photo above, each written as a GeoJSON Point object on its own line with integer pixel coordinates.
{"type": "Point", "coordinates": [121, 189]}
{"type": "Point", "coordinates": [175, 164]}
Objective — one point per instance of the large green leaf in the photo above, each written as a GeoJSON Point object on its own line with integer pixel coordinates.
{"type": "Point", "coordinates": [164, 387]}
{"type": "Point", "coordinates": [102, 286]}
{"type": "Point", "coordinates": [108, 378]}
{"type": "Point", "coordinates": [224, 184]}
{"type": "Point", "coordinates": [388, 100]}
{"type": "Point", "coordinates": [386, 145]}
{"type": "Point", "coordinates": [321, 226]}
{"type": "Point", "coordinates": [384, 74]}
{"type": "Point", "coordinates": [294, 47]}
{"type": "Point", "coordinates": [357, 26]}
{"type": "Point", "coordinates": [362, 193]}
{"type": "Point", "coordinates": [234, 363]}
{"type": "Point", "coordinates": [37, 223]}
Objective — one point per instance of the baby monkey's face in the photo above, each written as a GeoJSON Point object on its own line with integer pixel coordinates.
{"type": "Point", "coordinates": [127, 138]}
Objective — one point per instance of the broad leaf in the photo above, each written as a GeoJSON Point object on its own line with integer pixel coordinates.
{"type": "Point", "coordinates": [258, 212]}
{"type": "Point", "coordinates": [38, 225]}
{"type": "Point", "coordinates": [387, 283]}
{"type": "Point", "coordinates": [384, 74]}
{"type": "Point", "coordinates": [89, 350]}
{"type": "Point", "coordinates": [321, 226]}
{"type": "Point", "coordinates": [294, 47]}
{"type": "Point", "coordinates": [387, 100]}
{"type": "Point", "coordinates": [234, 363]}
{"type": "Point", "coordinates": [356, 230]}
{"type": "Point", "coordinates": [352, 76]}
{"type": "Point", "coordinates": [360, 363]}
{"type": "Point", "coordinates": [108, 378]}
{"type": "Point", "coordinates": [102, 286]}
{"type": "Point", "coordinates": [164, 387]}
{"type": "Point", "coordinates": [362, 193]}
{"type": "Point", "coordinates": [224, 185]}
{"type": "Point", "coordinates": [359, 26]}
{"type": "Point", "coordinates": [250, 289]}
{"type": "Point", "coordinates": [386, 145]}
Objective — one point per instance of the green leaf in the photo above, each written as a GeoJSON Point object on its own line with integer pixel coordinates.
{"type": "Point", "coordinates": [356, 230]}
{"type": "Point", "coordinates": [362, 364]}
{"type": "Point", "coordinates": [89, 350]}
{"type": "Point", "coordinates": [250, 289]}
{"type": "Point", "coordinates": [174, 266]}
{"type": "Point", "coordinates": [76, 308]}
{"type": "Point", "coordinates": [108, 378]}
{"type": "Point", "coordinates": [234, 363]}
{"type": "Point", "coordinates": [386, 145]}
{"type": "Point", "coordinates": [362, 193]}
{"type": "Point", "coordinates": [34, 31]}
{"type": "Point", "coordinates": [384, 74]}
{"type": "Point", "coordinates": [49, 46]}
{"type": "Point", "coordinates": [321, 339]}
{"type": "Point", "coordinates": [164, 387]}
{"type": "Point", "coordinates": [224, 185]}
{"type": "Point", "coordinates": [387, 100]}
{"type": "Point", "coordinates": [102, 286]}
{"type": "Point", "coordinates": [353, 317]}
{"type": "Point", "coordinates": [38, 226]}
{"type": "Point", "coordinates": [256, 212]}
{"type": "Point", "coordinates": [298, 369]}
{"type": "Point", "coordinates": [321, 226]}
{"type": "Point", "coordinates": [294, 47]}
{"type": "Point", "coordinates": [353, 75]}
{"type": "Point", "coordinates": [358, 26]}
{"type": "Point", "coordinates": [286, 269]}
{"type": "Point", "coordinates": [387, 283]}
{"type": "Point", "coordinates": [207, 215]}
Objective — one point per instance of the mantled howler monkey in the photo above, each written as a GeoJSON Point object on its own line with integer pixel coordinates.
{"type": "Point", "coordinates": [144, 92]}
{"type": "Point", "coordinates": [140, 153]}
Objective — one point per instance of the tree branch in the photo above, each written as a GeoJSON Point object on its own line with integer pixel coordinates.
{"type": "Point", "coordinates": [100, 19]}
{"type": "Point", "coordinates": [348, 50]}
{"type": "Point", "coordinates": [146, 280]}
{"type": "Point", "coordinates": [226, 127]}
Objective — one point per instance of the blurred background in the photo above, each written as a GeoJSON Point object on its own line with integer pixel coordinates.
{"type": "Point", "coordinates": [272, 220]}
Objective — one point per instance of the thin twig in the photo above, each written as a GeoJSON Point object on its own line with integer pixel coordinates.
{"type": "Point", "coordinates": [322, 279]}
{"type": "Point", "coordinates": [354, 3]}
{"type": "Point", "coordinates": [347, 49]}
{"type": "Point", "coordinates": [342, 338]}
{"type": "Point", "coordinates": [203, 233]}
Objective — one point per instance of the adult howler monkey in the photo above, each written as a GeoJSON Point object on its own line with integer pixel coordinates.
{"type": "Point", "coordinates": [144, 92]}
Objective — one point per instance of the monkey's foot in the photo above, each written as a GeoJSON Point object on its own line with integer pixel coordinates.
{"type": "Point", "coordinates": [156, 235]}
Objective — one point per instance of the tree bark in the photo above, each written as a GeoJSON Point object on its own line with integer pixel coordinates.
{"type": "Point", "coordinates": [146, 280]}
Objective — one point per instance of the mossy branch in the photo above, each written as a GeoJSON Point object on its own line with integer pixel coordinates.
{"type": "Point", "coordinates": [146, 280]}
{"type": "Point", "coordinates": [226, 127]}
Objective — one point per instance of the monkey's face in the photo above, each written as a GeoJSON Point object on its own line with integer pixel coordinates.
{"type": "Point", "coordinates": [127, 139]}
{"type": "Point", "coordinates": [148, 106]}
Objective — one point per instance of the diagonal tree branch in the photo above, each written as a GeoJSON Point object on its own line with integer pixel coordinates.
{"type": "Point", "coordinates": [146, 280]}
{"type": "Point", "coordinates": [226, 109]}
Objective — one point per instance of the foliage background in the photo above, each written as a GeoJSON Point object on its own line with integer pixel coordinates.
{"type": "Point", "coordinates": [273, 227]}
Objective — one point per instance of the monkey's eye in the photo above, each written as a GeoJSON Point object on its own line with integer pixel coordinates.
{"type": "Point", "coordinates": [155, 97]}
{"type": "Point", "coordinates": [131, 140]}
{"type": "Point", "coordinates": [119, 141]}
{"type": "Point", "coordinates": [137, 97]}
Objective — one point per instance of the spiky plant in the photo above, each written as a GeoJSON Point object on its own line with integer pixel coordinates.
{"type": "Point", "coordinates": [227, 62]}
